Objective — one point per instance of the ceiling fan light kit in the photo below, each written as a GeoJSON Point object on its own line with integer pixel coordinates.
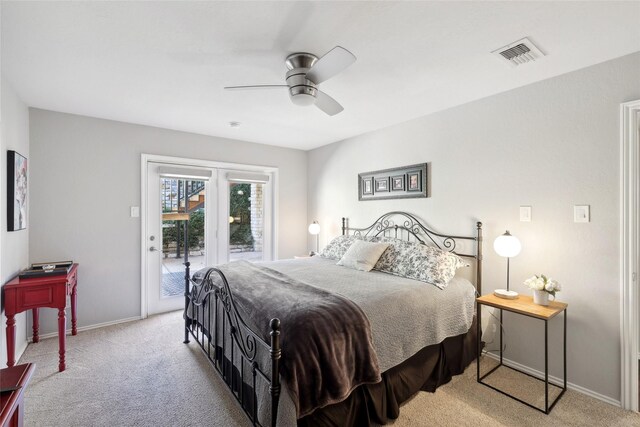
{"type": "Point", "coordinates": [306, 72]}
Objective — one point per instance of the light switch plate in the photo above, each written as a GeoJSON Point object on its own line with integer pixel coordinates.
{"type": "Point", "coordinates": [581, 213]}
{"type": "Point", "coordinates": [525, 213]}
{"type": "Point", "coordinates": [135, 211]}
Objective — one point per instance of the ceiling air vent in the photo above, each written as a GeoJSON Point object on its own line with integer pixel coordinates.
{"type": "Point", "coordinates": [519, 52]}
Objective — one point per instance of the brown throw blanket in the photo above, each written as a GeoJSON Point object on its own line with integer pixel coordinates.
{"type": "Point", "coordinates": [326, 339]}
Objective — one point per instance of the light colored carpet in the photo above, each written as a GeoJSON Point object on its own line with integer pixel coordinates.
{"type": "Point", "coordinates": [140, 374]}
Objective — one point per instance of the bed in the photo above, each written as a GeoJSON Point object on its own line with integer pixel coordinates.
{"type": "Point", "coordinates": [287, 370]}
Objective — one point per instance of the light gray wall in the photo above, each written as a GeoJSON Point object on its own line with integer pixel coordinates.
{"type": "Point", "coordinates": [85, 174]}
{"type": "Point", "coordinates": [551, 145]}
{"type": "Point", "coordinates": [14, 246]}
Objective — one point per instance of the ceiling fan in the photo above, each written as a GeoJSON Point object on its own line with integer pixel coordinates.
{"type": "Point", "coordinates": [306, 72]}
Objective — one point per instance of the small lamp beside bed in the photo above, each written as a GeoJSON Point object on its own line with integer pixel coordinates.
{"type": "Point", "coordinates": [314, 228]}
{"type": "Point", "coordinates": [507, 246]}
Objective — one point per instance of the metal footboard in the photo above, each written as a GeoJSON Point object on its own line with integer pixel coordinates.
{"type": "Point", "coordinates": [212, 319]}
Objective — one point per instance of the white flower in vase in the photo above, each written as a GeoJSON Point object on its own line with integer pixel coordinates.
{"type": "Point", "coordinates": [543, 284]}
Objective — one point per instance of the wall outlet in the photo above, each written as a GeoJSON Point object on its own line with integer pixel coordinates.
{"type": "Point", "coordinates": [525, 213]}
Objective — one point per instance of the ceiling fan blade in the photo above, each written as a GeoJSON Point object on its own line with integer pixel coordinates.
{"type": "Point", "coordinates": [255, 87]}
{"type": "Point", "coordinates": [333, 62]}
{"type": "Point", "coordinates": [328, 104]}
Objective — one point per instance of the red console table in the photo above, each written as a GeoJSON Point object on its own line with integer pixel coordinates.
{"type": "Point", "coordinates": [14, 380]}
{"type": "Point", "coordinates": [31, 294]}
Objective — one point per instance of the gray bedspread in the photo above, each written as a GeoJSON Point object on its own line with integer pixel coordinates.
{"type": "Point", "coordinates": [405, 315]}
{"type": "Point", "coordinates": [326, 339]}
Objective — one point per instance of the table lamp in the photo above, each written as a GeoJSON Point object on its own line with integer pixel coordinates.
{"type": "Point", "coordinates": [507, 246]}
{"type": "Point", "coordinates": [314, 228]}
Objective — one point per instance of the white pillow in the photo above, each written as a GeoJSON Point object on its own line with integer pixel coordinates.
{"type": "Point", "coordinates": [363, 255]}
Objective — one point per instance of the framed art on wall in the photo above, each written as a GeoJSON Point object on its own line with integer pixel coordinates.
{"type": "Point", "coordinates": [367, 186]}
{"type": "Point", "coordinates": [382, 184]}
{"type": "Point", "coordinates": [16, 191]}
{"type": "Point", "coordinates": [396, 183]}
{"type": "Point", "coordinates": [414, 181]}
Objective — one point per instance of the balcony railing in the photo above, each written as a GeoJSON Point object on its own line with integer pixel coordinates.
{"type": "Point", "coordinates": [176, 192]}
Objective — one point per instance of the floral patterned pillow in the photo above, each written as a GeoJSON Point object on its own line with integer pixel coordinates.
{"type": "Point", "coordinates": [339, 246]}
{"type": "Point", "coordinates": [419, 262]}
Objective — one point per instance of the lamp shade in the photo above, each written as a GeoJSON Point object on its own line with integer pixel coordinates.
{"type": "Point", "coordinates": [314, 228]}
{"type": "Point", "coordinates": [507, 245]}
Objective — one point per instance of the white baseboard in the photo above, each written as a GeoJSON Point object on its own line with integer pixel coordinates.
{"type": "Point", "coordinates": [556, 380]}
{"type": "Point", "coordinates": [89, 327]}
{"type": "Point", "coordinates": [20, 351]}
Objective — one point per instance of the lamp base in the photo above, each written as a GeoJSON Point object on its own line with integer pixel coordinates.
{"type": "Point", "coordinates": [503, 293]}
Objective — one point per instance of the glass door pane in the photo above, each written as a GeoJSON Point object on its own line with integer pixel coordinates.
{"type": "Point", "coordinates": [183, 208]}
{"type": "Point", "coordinates": [246, 221]}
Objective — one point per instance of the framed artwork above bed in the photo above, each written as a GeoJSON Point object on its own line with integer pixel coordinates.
{"type": "Point", "coordinates": [396, 183]}
{"type": "Point", "coordinates": [382, 185]}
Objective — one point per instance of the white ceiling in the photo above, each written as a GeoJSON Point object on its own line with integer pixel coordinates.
{"type": "Point", "coordinates": [164, 63]}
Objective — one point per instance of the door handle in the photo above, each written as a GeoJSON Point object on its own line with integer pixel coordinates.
{"type": "Point", "coordinates": [153, 249]}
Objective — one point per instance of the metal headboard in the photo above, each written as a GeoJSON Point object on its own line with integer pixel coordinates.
{"type": "Point", "coordinates": [403, 225]}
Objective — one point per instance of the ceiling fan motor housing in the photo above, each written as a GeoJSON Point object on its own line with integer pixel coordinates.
{"type": "Point", "coordinates": [302, 91]}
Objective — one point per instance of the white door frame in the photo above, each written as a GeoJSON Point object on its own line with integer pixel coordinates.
{"type": "Point", "coordinates": [629, 252]}
{"type": "Point", "coordinates": [145, 159]}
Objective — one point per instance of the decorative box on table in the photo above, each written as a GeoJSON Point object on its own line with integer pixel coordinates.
{"type": "Point", "coordinates": [43, 269]}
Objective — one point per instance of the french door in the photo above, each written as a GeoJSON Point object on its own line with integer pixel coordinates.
{"type": "Point", "coordinates": [212, 215]}
{"type": "Point", "coordinates": [246, 215]}
{"type": "Point", "coordinates": [179, 217]}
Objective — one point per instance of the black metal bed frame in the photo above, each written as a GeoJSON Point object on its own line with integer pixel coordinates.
{"type": "Point", "coordinates": [244, 342]}
{"type": "Point", "coordinates": [208, 301]}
